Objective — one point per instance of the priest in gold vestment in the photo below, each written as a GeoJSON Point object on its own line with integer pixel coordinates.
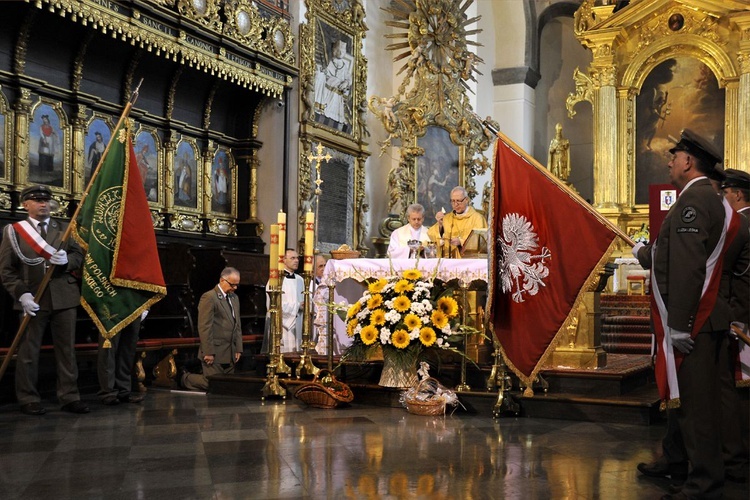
{"type": "Point", "coordinates": [453, 229]}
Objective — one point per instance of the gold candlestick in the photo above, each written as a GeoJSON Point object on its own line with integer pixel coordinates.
{"type": "Point", "coordinates": [463, 386]}
{"type": "Point", "coordinates": [281, 367]}
{"type": "Point", "coordinates": [272, 386]}
{"type": "Point", "coordinates": [306, 366]}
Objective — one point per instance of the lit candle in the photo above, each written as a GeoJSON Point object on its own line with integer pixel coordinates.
{"type": "Point", "coordinates": [282, 240]}
{"type": "Point", "coordinates": [273, 276]}
{"type": "Point", "coordinates": [309, 240]}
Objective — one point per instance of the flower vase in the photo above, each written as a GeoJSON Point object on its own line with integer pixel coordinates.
{"type": "Point", "coordinates": [397, 375]}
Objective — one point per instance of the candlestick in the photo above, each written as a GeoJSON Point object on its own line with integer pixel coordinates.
{"type": "Point", "coordinates": [309, 241]}
{"type": "Point", "coordinates": [282, 240]}
{"type": "Point", "coordinates": [273, 275]}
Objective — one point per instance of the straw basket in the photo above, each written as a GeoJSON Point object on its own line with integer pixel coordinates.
{"type": "Point", "coordinates": [326, 393]}
{"type": "Point", "coordinates": [345, 254]}
{"type": "Point", "coordinates": [434, 405]}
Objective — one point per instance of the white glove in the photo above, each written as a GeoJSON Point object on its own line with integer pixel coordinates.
{"type": "Point", "coordinates": [144, 314]}
{"type": "Point", "coordinates": [59, 258]}
{"type": "Point", "coordinates": [681, 341]}
{"type": "Point", "coordinates": [636, 248]}
{"type": "Point", "coordinates": [740, 326]}
{"type": "Point", "coordinates": [28, 304]}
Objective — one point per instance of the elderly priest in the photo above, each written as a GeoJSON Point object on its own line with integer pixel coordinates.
{"type": "Point", "coordinates": [453, 229]}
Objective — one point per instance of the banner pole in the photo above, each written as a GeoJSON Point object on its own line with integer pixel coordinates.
{"type": "Point", "coordinates": [517, 149]}
{"type": "Point", "coordinates": [66, 235]}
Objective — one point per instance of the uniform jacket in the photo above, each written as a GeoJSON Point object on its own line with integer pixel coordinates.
{"type": "Point", "coordinates": [735, 280]}
{"type": "Point", "coordinates": [220, 333]}
{"type": "Point", "coordinates": [18, 277]}
{"type": "Point", "coordinates": [690, 232]}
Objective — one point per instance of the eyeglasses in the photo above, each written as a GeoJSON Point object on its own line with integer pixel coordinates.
{"type": "Point", "coordinates": [233, 285]}
{"type": "Point", "coordinates": [459, 201]}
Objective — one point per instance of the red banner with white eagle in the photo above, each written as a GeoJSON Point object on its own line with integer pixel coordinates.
{"type": "Point", "coordinates": [549, 245]}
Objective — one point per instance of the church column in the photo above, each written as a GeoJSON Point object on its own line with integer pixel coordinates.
{"type": "Point", "coordinates": [79, 156]}
{"type": "Point", "coordinates": [513, 103]}
{"type": "Point", "coordinates": [731, 108]}
{"type": "Point", "coordinates": [625, 148]}
{"type": "Point", "coordinates": [743, 93]}
{"type": "Point", "coordinates": [170, 144]}
{"type": "Point", "coordinates": [20, 137]}
{"type": "Point", "coordinates": [605, 137]}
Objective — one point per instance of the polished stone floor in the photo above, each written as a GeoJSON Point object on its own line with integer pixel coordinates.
{"type": "Point", "coordinates": [184, 446]}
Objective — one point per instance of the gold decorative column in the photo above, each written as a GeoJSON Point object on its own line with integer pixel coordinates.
{"type": "Point", "coordinates": [208, 154]}
{"type": "Point", "coordinates": [170, 144]}
{"type": "Point", "coordinates": [743, 94]}
{"type": "Point", "coordinates": [79, 159]}
{"type": "Point", "coordinates": [21, 136]}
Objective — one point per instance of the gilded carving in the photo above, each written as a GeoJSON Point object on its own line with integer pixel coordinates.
{"type": "Point", "coordinates": [222, 227]}
{"type": "Point", "coordinates": [583, 18]}
{"type": "Point", "coordinates": [431, 38]}
{"type": "Point", "coordinates": [584, 92]}
{"type": "Point", "coordinates": [205, 12]}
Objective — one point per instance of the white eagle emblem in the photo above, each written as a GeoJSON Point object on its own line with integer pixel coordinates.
{"type": "Point", "coordinates": [521, 271]}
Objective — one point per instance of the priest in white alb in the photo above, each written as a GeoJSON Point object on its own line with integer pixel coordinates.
{"type": "Point", "coordinates": [398, 248]}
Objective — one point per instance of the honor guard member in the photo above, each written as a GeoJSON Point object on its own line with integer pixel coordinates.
{"type": "Point", "coordinates": [28, 249]}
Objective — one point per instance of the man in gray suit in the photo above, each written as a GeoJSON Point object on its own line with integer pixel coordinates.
{"type": "Point", "coordinates": [28, 249]}
{"type": "Point", "coordinates": [220, 331]}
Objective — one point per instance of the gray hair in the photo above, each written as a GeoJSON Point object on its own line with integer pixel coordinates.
{"type": "Point", "coordinates": [229, 271]}
{"type": "Point", "coordinates": [461, 189]}
{"type": "Point", "coordinates": [414, 208]}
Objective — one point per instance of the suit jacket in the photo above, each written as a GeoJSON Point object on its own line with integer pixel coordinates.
{"type": "Point", "coordinates": [689, 233]}
{"type": "Point", "coordinates": [18, 277]}
{"type": "Point", "coordinates": [220, 333]}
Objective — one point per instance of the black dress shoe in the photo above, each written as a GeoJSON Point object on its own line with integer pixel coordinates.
{"type": "Point", "coordinates": [76, 407]}
{"type": "Point", "coordinates": [33, 409]}
{"type": "Point", "coordinates": [661, 468]}
{"type": "Point", "coordinates": [110, 401]}
{"type": "Point", "coordinates": [131, 398]}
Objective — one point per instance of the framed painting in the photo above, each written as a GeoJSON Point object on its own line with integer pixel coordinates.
{"type": "Point", "coordinates": [5, 137]}
{"type": "Point", "coordinates": [333, 78]}
{"type": "Point", "coordinates": [680, 92]}
{"type": "Point", "coordinates": [222, 182]}
{"type": "Point", "coordinates": [437, 172]}
{"type": "Point", "coordinates": [187, 176]}
{"type": "Point", "coordinates": [148, 157]}
{"type": "Point", "coordinates": [98, 134]}
{"type": "Point", "coordinates": [336, 204]}
{"type": "Point", "coordinates": [49, 161]}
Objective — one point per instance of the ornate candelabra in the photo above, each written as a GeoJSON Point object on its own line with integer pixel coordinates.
{"type": "Point", "coordinates": [500, 379]}
{"type": "Point", "coordinates": [464, 284]}
{"type": "Point", "coordinates": [276, 363]}
{"type": "Point", "coordinates": [306, 366]}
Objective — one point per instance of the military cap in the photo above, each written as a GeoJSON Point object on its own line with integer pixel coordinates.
{"type": "Point", "coordinates": [36, 192]}
{"type": "Point", "coordinates": [692, 143]}
{"type": "Point", "coordinates": [736, 179]}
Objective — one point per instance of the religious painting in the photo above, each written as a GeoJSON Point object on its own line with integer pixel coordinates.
{"type": "Point", "coordinates": [47, 146]}
{"type": "Point", "coordinates": [680, 92]}
{"type": "Point", "coordinates": [147, 157]}
{"type": "Point", "coordinates": [437, 172]}
{"type": "Point", "coordinates": [335, 211]}
{"type": "Point", "coordinates": [334, 78]}
{"type": "Point", "coordinates": [221, 182]}
{"type": "Point", "coordinates": [98, 134]}
{"type": "Point", "coordinates": [186, 175]}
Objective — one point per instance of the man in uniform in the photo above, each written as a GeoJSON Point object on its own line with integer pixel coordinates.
{"type": "Point", "coordinates": [692, 315]}
{"type": "Point", "coordinates": [28, 249]}
{"type": "Point", "coordinates": [453, 229]}
{"type": "Point", "coordinates": [220, 331]}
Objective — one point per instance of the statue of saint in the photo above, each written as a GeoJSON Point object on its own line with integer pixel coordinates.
{"type": "Point", "coordinates": [559, 155]}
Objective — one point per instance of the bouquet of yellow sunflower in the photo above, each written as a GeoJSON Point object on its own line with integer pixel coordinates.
{"type": "Point", "coordinates": [404, 315]}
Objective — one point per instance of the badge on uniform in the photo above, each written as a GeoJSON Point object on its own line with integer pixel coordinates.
{"type": "Point", "coordinates": [688, 214]}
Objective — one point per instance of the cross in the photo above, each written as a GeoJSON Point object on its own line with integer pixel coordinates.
{"type": "Point", "coordinates": [319, 156]}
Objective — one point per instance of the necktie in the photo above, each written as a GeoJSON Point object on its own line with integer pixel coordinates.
{"type": "Point", "coordinates": [43, 230]}
{"type": "Point", "coordinates": [231, 307]}
{"type": "Point", "coordinates": [289, 275]}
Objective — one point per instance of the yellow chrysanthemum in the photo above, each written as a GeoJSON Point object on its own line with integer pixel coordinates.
{"type": "Point", "coordinates": [402, 303]}
{"type": "Point", "coordinates": [377, 318]}
{"type": "Point", "coordinates": [377, 286]}
{"type": "Point", "coordinates": [374, 302]}
{"type": "Point", "coordinates": [412, 321]}
{"type": "Point", "coordinates": [439, 319]}
{"type": "Point", "coordinates": [403, 286]}
{"type": "Point", "coordinates": [350, 326]}
{"type": "Point", "coordinates": [427, 336]}
{"type": "Point", "coordinates": [369, 335]}
{"type": "Point", "coordinates": [400, 339]}
{"type": "Point", "coordinates": [412, 274]}
{"type": "Point", "coordinates": [353, 310]}
{"type": "Point", "coordinates": [448, 306]}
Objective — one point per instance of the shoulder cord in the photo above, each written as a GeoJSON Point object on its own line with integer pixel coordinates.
{"type": "Point", "coordinates": [10, 233]}
{"type": "Point", "coordinates": [746, 269]}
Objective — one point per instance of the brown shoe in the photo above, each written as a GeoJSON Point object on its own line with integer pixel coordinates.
{"type": "Point", "coordinates": [131, 398]}
{"type": "Point", "coordinates": [76, 407]}
{"type": "Point", "coordinates": [33, 409]}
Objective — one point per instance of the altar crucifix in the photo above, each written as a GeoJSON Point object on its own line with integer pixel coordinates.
{"type": "Point", "coordinates": [318, 157]}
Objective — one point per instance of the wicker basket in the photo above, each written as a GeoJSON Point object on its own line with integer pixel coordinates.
{"type": "Point", "coordinates": [329, 393]}
{"type": "Point", "coordinates": [431, 406]}
{"type": "Point", "coordinates": [345, 254]}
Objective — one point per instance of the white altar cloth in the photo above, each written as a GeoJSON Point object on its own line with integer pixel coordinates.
{"type": "Point", "coordinates": [360, 270]}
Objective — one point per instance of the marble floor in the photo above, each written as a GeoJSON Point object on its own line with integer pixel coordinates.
{"type": "Point", "coordinates": [183, 446]}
